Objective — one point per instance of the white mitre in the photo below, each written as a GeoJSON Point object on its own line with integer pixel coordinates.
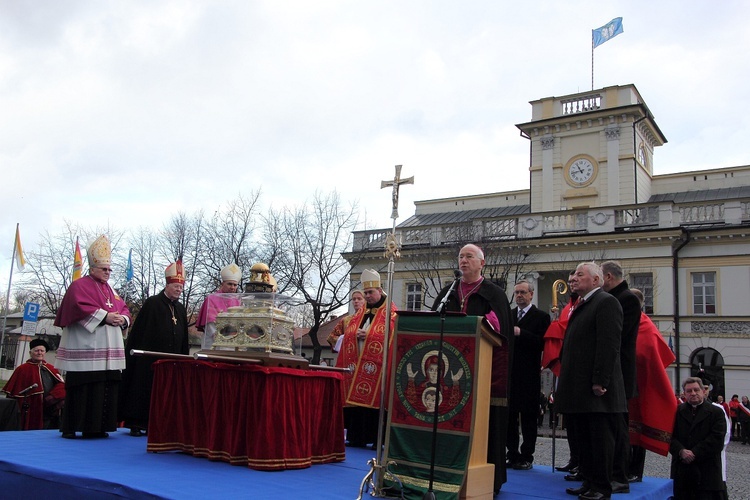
{"type": "Point", "coordinates": [232, 272]}
{"type": "Point", "coordinates": [370, 279]}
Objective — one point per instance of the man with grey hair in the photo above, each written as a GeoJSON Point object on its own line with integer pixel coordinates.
{"type": "Point", "coordinates": [525, 379]}
{"type": "Point", "coordinates": [615, 284]}
{"type": "Point", "coordinates": [478, 296]}
{"type": "Point", "coordinates": [590, 391]}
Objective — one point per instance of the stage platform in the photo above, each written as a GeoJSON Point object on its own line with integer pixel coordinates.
{"type": "Point", "coordinates": [39, 464]}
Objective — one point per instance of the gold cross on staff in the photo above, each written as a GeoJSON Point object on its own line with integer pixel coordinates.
{"type": "Point", "coordinates": [396, 182]}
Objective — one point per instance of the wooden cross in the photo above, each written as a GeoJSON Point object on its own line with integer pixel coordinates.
{"type": "Point", "coordinates": [396, 182]}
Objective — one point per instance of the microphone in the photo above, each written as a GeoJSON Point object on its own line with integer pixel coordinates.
{"type": "Point", "coordinates": [32, 386]}
{"type": "Point", "coordinates": [457, 275]}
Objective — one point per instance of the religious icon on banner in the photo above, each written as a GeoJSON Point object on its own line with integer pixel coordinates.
{"type": "Point", "coordinates": [425, 380]}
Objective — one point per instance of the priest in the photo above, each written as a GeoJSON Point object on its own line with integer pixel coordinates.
{"type": "Point", "coordinates": [362, 351]}
{"type": "Point", "coordinates": [477, 296]}
{"type": "Point", "coordinates": [160, 326]}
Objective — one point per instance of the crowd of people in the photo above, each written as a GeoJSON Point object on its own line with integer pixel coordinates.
{"type": "Point", "coordinates": [609, 360]}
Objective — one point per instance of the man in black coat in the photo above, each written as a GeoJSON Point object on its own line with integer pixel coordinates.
{"type": "Point", "coordinates": [530, 325]}
{"type": "Point", "coordinates": [161, 326]}
{"type": "Point", "coordinates": [590, 390]}
{"type": "Point", "coordinates": [697, 441]}
{"type": "Point", "coordinates": [477, 296]}
{"type": "Point", "coordinates": [615, 284]}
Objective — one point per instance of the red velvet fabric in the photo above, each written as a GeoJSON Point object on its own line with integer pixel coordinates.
{"type": "Point", "coordinates": [652, 411]}
{"type": "Point", "coordinates": [264, 418]}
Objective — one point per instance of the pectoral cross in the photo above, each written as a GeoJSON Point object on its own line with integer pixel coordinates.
{"type": "Point", "coordinates": [396, 182]}
{"type": "Point", "coordinates": [174, 320]}
{"type": "Point", "coordinates": [109, 304]}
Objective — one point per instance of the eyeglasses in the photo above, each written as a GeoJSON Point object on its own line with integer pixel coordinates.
{"type": "Point", "coordinates": [106, 269]}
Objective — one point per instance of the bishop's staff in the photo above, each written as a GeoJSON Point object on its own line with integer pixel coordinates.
{"type": "Point", "coordinates": [392, 251]}
{"type": "Point", "coordinates": [559, 287]}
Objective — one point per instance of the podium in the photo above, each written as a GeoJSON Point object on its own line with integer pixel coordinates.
{"type": "Point", "coordinates": [463, 375]}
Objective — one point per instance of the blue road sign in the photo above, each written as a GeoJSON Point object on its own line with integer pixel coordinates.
{"type": "Point", "coordinates": [30, 311]}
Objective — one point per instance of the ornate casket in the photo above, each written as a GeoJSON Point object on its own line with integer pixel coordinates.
{"type": "Point", "coordinates": [257, 322]}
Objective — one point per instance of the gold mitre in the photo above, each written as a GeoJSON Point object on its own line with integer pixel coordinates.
{"type": "Point", "coordinates": [99, 253]}
{"type": "Point", "coordinates": [232, 272]}
{"type": "Point", "coordinates": [261, 279]}
{"type": "Point", "coordinates": [370, 279]}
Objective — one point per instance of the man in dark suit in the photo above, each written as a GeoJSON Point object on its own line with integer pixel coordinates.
{"type": "Point", "coordinates": [697, 441]}
{"type": "Point", "coordinates": [590, 391]}
{"type": "Point", "coordinates": [525, 379]}
{"type": "Point", "coordinates": [615, 284]}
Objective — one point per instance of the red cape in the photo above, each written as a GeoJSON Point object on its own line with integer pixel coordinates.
{"type": "Point", "coordinates": [553, 340]}
{"type": "Point", "coordinates": [27, 375]}
{"type": "Point", "coordinates": [652, 411]}
{"type": "Point", "coordinates": [84, 297]}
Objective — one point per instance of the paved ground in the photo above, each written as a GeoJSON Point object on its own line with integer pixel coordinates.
{"type": "Point", "coordinates": [738, 463]}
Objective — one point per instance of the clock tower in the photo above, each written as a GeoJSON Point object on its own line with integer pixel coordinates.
{"type": "Point", "coordinates": [591, 149]}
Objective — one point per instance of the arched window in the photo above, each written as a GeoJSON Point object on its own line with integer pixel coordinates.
{"type": "Point", "coordinates": [708, 364]}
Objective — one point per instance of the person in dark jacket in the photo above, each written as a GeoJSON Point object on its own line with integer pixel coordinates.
{"type": "Point", "coordinates": [530, 325]}
{"type": "Point", "coordinates": [590, 391]}
{"type": "Point", "coordinates": [615, 284]}
{"type": "Point", "coordinates": [161, 326]}
{"type": "Point", "coordinates": [697, 441]}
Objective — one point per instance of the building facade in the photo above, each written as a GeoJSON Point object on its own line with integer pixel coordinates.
{"type": "Point", "coordinates": [683, 239]}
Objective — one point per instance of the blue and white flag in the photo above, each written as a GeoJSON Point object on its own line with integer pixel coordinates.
{"type": "Point", "coordinates": [129, 270]}
{"type": "Point", "coordinates": [609, 30]}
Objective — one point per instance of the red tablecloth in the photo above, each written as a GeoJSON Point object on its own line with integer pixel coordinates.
{"type": "Point", "coordinates": [265, 418]}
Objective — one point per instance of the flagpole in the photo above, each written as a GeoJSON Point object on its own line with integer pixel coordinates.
{"type": "Point", "coordinates": [592, 62]}
{"type": "Point", "coordinates": [7, 296]}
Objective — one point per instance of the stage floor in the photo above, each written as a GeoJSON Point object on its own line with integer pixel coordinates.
{"type": "Point", "coordinates": [37, 463]}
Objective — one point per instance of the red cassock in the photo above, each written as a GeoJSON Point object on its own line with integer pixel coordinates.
{"type": "Point", "coordinates": [652, 411]}
{"type": "Point", "coordinates": [24, 377]}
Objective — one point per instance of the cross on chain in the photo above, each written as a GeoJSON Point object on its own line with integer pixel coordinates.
{"type": "Point", "coordinates": [396, 182]}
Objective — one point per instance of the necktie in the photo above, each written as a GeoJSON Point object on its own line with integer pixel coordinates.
{"type": "Point", "coordinates": [520, 314]}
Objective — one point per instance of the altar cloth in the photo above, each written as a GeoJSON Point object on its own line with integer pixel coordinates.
{"type": "Point", "coordinates": [261, 417]}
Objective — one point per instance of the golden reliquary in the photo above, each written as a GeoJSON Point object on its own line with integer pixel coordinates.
{"type": "Point", "coordinates": [256, 322]}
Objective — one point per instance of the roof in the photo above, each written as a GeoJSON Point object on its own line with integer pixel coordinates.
{"type": "Point", "coordinates": [457, 217]}
{"type": "Point", "coordinates": [702, 195]}
{"type": "Point", "coordinates": [323, 332]}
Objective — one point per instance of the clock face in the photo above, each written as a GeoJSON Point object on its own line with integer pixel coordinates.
{"type": "Point", "coordinates": [581, 171]}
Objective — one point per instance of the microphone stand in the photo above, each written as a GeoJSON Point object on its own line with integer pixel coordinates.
{"type": "Point", "coordinates": [430, 494]}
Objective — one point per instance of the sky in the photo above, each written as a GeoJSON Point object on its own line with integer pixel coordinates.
{"type": "Point", "coordinates": [125, 113]}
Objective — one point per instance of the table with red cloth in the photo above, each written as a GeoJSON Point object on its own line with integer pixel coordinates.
{"type": "Point", "coordinates": [264, 418]}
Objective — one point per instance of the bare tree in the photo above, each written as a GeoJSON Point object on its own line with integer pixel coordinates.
{"type": "Point", "coordinates": [182, 238]}
{"type": "Point", "coordinates": [50, 268]}
{"type": "Point", "coordinates": [228, 237]}
{"type": "Point", "coordinates": [309, 255]}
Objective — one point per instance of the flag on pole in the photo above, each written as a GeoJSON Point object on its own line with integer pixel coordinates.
{"type": "Point", "coordinates": [20, 260]}
{"type": "Point", "coordinates": [129, 270]}
{"type": "Point", "coordinates": [77, 262]}
{"type": "Point", "coordinates": [609, 30]}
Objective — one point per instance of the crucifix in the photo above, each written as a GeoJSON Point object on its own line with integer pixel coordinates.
{"type": "Point", "coordinates": [396, 182]}
{"type": "Point", "coordinates": [379, 471]}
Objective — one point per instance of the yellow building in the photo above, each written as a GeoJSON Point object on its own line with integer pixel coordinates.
{"type": "Point", "coordinates": [683, 239]}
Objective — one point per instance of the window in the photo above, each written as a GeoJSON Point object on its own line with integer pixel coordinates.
{"type": "Point", "coordinates": [704, 293]}
{"type": "Point", "coordinates": [645, 283]}
{"type": "Point", "coordinates": [413, 297]}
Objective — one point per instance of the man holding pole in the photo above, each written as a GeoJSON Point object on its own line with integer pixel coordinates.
{"type": "Point", "coordinates": [362, 351]}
